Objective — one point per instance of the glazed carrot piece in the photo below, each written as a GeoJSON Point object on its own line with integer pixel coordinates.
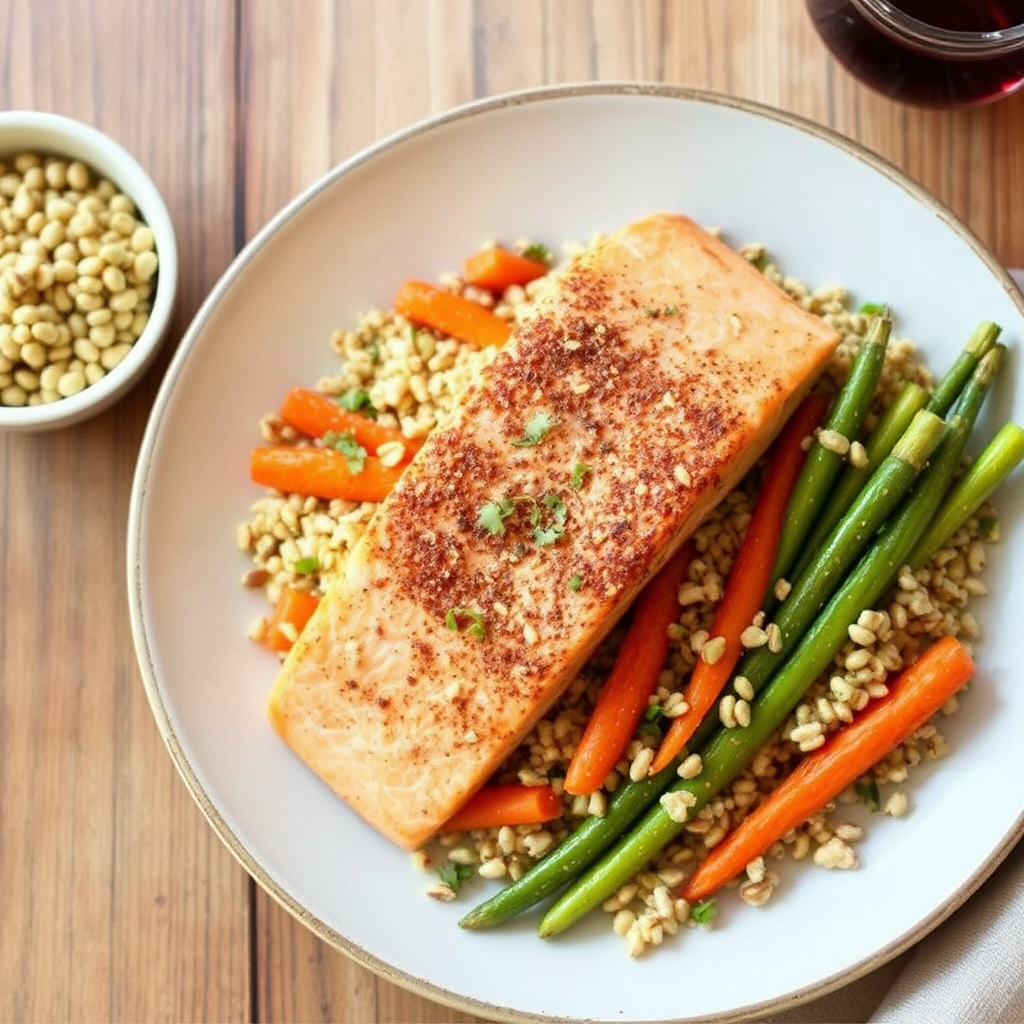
{"type": "Point", "coordinates": [316, 414]}
{"type": "Point", "coordinates": [623, 698]}
{"type": "Point", "coordinates": [496, 269]}
{"type": "Point", "coordinates": [292, 610]}
{"type": "Point", "coordinates": [748, 580]}
{"type": "Point", "coordinates": [451, 314]}
{"type": "Point", "coordinates": [917, 693]}
{"type": "Point", "coordinates": [494, 806]}
{"type": "Point", "coordinates": [321, 472]}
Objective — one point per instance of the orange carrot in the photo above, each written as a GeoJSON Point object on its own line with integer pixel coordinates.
{"type": "Point", "coordinates": [748, 580]}
{"type": "Point", "coordinates": [451, 314]}
{"type": "Point", "coordinates": [916, 694]}
{"type": "Point", "coordinates": [496, 269]}
{"type": "Point", "coordinates": [623, 698]}
{"type": "Point", "coordinates": [322, 473]}
{"type": "Point", "coordinates": [316, 414]}
{"type": "Point", "coordinates": [292, 611]}
{"type": "Point", "coordinates": [494, 806]}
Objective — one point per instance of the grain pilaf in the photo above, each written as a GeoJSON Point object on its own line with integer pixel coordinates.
{"type": "Point", "coordinates": [413, 378]}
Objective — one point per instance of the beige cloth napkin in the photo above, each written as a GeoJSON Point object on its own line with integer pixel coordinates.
{"type": "Point", "coordinates": [970, 970]}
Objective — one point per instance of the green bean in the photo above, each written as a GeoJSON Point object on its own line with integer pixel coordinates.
{"type": "Point", "coordinates": [1000, 456]}
{"type": "Point", "coordinates": [822, 463]}
{"type": "Point", "coordinates": [729, 751]}
{"type": "Point", "coordinates": [890, 428]}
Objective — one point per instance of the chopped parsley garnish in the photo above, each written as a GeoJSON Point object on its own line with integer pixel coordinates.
{"type": "Point", "coordinates": [537, 251]}
{"type": "Point", "coordinates": [704, 912]}
{"type": "Point", "coordinates": [867, 793]}
{"type": "Point", "coordinates": [654, 311]}
{"type": "Point", "coordinates": [546, 517]}
{"type": "Point", "coordinates": [871, 308]}
{"type": "Point", "coordinates": [579, 473]}
{"type": "Point", "coordinates": [453, 875]}
{"type": "Point", "coordinates": [305, 566]}
{"type": "Point", "coordinates": [491, 516]}
{"type": "Point", "coordinates": [575, 581]}
{"type": "Point", "coordinates": [652, 719]}
{"type": "Point", "coordinates": [986, 525]}
{"type": "Point", "coordinates": [345, 442]}
{"type": "Point", "coordinates": [537, 428]}
{"type": "Point", "coordinates": [358, 400]}
{"type": "Point", "coordinates": [467, 619]}
{"type": "Point", "coordinates": [547, 529]}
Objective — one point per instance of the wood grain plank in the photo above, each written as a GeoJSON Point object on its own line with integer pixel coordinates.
{"type": "Point", "coordinates": [119, 903]}
{"type": "Point", "coordinates": [361, 75]}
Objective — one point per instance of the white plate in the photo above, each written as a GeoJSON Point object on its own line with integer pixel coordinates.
{"type": "Point", "coordinates": [555, 164]}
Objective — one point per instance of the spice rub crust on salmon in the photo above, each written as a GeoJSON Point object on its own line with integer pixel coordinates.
{"type": "Point", "coordinates": [651, 375]}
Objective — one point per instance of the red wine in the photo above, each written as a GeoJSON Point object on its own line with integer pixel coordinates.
{"type": "Point", "coordinates": [904, 70]}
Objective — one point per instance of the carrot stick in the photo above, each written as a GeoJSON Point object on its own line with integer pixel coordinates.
{"type": "Point", "coordinates": [496, 269]}
{"type": "Point", "coordinates": [748, 580]}
{"type": "Point", "coordinates": [321, 472]}
{"type": "Point", "coordinates": [917, 693]}
{"type": "Point", "coordinates": [494, 806]}
{"type": "Point", "coordinates": [623, 698]}
{"type": "Point", "coordinates": [316, 414]}
{"type": "Point", "coordinates": [451, 314]}
{"type": "Point", "coordinates": [292, 611]}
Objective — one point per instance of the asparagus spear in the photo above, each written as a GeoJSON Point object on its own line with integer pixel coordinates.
{"type": "Point", "coordinates": [999, 458]}
{"type": "Point", "coordinates": [730, 750]}
{"type": "Point", "coordinates": [871, 507]}
{"type": "Point", "coordinates": [894, 421]}
{"type": "Point", "coordinates": [890, 427]}
{"type": "Point", "coordinates": [946, 391]}
{"type": "Point", "coordinates": [823, 464]}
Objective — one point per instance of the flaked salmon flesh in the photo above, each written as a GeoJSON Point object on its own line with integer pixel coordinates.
{"type": "Point", "coordinates": [652, 373]}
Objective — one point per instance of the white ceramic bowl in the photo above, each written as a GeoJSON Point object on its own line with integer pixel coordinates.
{"type": "Point", "coordinates": [54, 134]}
{"type": "Point", "coordinates": [560, 164]}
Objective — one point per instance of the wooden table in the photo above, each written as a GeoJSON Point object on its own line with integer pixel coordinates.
{"type": "Point", "coordinates": [119, 903]}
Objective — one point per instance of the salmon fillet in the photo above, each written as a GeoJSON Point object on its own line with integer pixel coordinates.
{"type": "Point", "coordinates": [662, 362]}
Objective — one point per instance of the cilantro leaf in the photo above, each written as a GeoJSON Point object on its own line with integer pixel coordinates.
{"type": "Point", "coordinates": [491, 516]}
{"type": "Point", "coordinates": [576, 581]}
{"type": "Point", "coordinates": [986, 525]}
{"type": "Point", "coordinates": [704, 912]}
{"type": "Point", "coordinates": [537, 251]}
{"type": "Point", "coordinates": [546, 533]}
{"type": "Point", "coordinates": [456, 618]}
{"type": "Point", "coordinates": [871, 308]}
{"type": "Point", "coordinates": [345, 442]}
{"type": "Point", "coordinates": [580, 470]}
{"type": "Point", "coordinates": [305, 566]}
{"type": "Point", "coordinates": [867, 792]}
{"type": "Point", "coordinates": [358, 400]}
{"type": "Point", "coordinates": [537, 428]}
{"type": "Point", "coordinates": [453, 875]}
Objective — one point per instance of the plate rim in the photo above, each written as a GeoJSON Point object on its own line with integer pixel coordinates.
{"type": "Point", "coordinates": [419, 986]}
